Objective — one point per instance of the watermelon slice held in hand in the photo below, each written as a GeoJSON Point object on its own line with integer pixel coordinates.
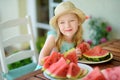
{"type": "Point", "coordinates": [83, 47]}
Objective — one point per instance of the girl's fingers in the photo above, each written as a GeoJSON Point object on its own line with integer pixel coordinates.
{"type": "Point", "coordinates": [87, 45]}
{"type": "Point", "coordinates": [78, 51]}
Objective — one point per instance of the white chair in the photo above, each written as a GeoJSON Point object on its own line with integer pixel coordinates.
{"type": "Point", "coordinates": [20, 55]}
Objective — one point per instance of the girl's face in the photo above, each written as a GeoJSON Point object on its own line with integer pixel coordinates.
{"type": "Point", "coordinates": [68, 24]}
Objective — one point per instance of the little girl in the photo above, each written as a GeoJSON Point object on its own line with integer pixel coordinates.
{"type": "Point", "coordinates": [67, 30]}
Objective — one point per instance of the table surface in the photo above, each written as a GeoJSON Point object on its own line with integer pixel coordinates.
{"type": "Point", "coordinates": [113, 46]}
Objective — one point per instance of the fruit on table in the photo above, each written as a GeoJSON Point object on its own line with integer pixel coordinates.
{"type": "Point", "coordinates": [105, 74]}
{"type": "Point", "coordinates": [112, 73]}
{"type": "Point", "coordinates": [75, 71]}
{"type": "Point", "coordinates": [83, 47]}
{"type": "Point", "coordinates": [71, 55]}
{"type": "Point", "coordinates": [53, 58]}
{"type": "Point", "coordinates": [58, 69]}
{"type": "Point", "coordinates": [96, 74]}
{"type": "Point", "coordinates": [63, 66]}
{"type": "Point", "coordinates": [45, 59]}
{"type": "Point", "coordinates": [97, 54]}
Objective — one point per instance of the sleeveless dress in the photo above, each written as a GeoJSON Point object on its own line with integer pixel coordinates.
{"type": "Point", "coordinates": [64, 47]}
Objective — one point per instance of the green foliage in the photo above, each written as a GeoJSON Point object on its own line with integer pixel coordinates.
{"type": "Point", "coordinates": [99, 31]}
{"type": "Point", "coordinates": [19, 63]}
{"type": "Point", "coordinates": [40, 42]}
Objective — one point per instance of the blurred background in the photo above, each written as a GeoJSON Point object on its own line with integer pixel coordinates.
{"type": "Point", "coordinates": [99, 13]}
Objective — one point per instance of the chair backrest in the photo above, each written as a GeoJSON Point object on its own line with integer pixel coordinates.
{"type": "Point", "coordinates": [12, 40]}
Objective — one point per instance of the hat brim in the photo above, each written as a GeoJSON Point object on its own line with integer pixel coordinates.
{"type": "Point", "coordinates": [78, 12]}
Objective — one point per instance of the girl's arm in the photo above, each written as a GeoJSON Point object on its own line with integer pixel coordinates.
{"type": "Point", "coordinates": [47, 48]}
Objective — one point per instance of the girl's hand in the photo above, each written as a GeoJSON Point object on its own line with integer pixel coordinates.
{"type": "Point", "coordinates": [79, 53]}
{"type": "Point", "coordinates": [88, 45]}
{"type": "Point", "coordinates": [83, 46]}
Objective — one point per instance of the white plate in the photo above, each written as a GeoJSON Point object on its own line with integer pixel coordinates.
{"type": "Point", "coordinates": [92, 62]}
{"type": "Point", "coordinates": [83, 66]}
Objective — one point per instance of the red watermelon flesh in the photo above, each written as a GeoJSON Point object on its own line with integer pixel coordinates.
{"type": "Point", "coordinates": [83, 47]}
{"type": "Point", "coordinates": [73, 71]}
{"type": "Point", "coordinates": [45, 59]}
{"type": "Point", "coordinates": [96, 51]}
{"type": "Point", "coordinates": [95, 75]}
{"type": "Point", "coordinates": [58, 69]}
{"type": "Point", "coordinates": [54, 57]}
{"type": "Point", "coordinates": [60, 55]}
{"type": "Point", "coordinates": [71, 55]}
{"type": "Point", "coordinates": [112, 73]}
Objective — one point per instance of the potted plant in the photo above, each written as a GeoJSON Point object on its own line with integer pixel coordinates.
{"type": "Point", "coordinates": [99, 31]}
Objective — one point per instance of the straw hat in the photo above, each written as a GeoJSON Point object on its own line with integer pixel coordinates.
{"type": "Point", "coordinates": [64, 8]}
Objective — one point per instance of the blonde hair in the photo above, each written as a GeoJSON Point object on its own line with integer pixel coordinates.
{"type": "Point", "coordinates": [77, 39]}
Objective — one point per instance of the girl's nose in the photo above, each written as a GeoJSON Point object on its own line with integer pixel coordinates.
{"type": "Point", "coordinates": [67, 24]}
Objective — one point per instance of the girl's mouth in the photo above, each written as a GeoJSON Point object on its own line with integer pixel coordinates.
{"type": "Point", "coordinates": [68, 30]}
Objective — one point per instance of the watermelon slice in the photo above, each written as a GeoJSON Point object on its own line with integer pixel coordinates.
{"type": "Point", "coordinates": [53, 58]}
{"type": "Point", "coordinates": [84, 72]}
{"type": "Point", "coordinates": [63, 66]}
{"type": "Point", "coordinates": [95, 75]}
{"type": "Point", "coordinates": [96, 54]}
{"type": "Point", "coordinates": [58, 69]}
{"type": "Point", "coordinates": [45, 59]}
{"type": "Point", "coordinates": [112, 73]}
{"type": "Point", "coordinates": [71, 55]}
{"type": "Point", "coordinates": [74, 71]}
{"type": "Point", "coordinates": [83, 47]}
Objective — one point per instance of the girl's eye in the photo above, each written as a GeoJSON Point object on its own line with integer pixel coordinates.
{"type": "Point", "coordinates": [72, 20]}
{"type": "Point", "coordinates": [61, 22]}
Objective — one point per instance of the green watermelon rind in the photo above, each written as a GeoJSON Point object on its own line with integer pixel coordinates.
{"type": "Point", "coordinates": [83, 73]}
{"type": "Point", "coordinates": [66, 53]}
{"type": "Point", "coordinates": [97, 58]}
{"type": "Point", "coordinates": [54, 76]}
{"type": "Point", "coordinates": [47, 72]}
{"type": "Point", "coordinates": [80, 75]}
{"type": "Point", "coordinates": [75, 77]}
{"type": "Point", "coordinates": [57, 77]}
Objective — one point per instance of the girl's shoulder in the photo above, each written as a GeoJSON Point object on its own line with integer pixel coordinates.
{"type": "Point", "coordinates": [52, 32]}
